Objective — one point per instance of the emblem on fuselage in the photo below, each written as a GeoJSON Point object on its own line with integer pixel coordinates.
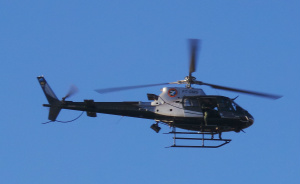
{"type": "Point", "coordinates": [172, 92]}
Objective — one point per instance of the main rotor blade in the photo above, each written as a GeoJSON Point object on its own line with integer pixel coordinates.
{"type": "Point", "coordinates": [193, 60]}
{"type": "Point", "coordinates": [265, 95]}
{"type": "Point", "coordinates": [108, 90]}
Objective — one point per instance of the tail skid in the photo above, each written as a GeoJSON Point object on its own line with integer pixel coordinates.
{"type": "Point", "coordinates": [54, 103]}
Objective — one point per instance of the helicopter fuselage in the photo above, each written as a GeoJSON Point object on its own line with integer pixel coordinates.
{"type": "Point", "coordinates": [189, 109]}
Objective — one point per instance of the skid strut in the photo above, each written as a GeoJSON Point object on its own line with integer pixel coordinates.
{"type": "Point", "coordinates": [202, 139]}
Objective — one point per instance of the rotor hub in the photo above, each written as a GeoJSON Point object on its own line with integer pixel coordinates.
{"type": "Point", "coordinates": [189, 80]}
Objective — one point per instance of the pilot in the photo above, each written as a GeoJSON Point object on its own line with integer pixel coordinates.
{"type": "Point", "coordinates": [207, 109]}
{"type": "Point", "coordinates": [210, 110]}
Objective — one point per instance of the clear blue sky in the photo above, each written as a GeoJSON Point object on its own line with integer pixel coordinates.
{"type": "Point", "coordinates": [251, 45]}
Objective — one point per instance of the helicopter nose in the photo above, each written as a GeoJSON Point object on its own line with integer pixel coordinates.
{"type": "Point", "coordinates": [250, 120]}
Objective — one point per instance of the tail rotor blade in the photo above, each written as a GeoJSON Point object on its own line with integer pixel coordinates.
{"type": "Point", "coordinates": [73, 90]}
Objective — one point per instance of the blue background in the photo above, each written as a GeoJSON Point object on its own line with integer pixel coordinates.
{"type": "Point", "coordinates": [251, 45]}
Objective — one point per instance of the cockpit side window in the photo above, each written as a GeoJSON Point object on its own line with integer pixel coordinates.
{"type": "Point", "coordinates": [210, 103]}
{"type": "Point", "coordinates": [226, 105]}
{"type": "Point", "coordinates": [186, 102]}
{"type": "Point", "coordinates": [194, 102]}
{"type": "Point", "coordinates": [191, 102]}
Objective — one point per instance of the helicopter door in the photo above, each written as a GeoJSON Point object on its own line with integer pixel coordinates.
{"type": "Point", "coordinates": [210, 105]}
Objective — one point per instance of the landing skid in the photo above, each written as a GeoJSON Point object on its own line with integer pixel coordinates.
{"type": "Point", "coordinates": [203, 139]}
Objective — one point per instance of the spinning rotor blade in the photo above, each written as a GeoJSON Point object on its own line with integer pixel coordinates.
{"type": "Point", "coordinates": [193, 60]}
{"type": "Point", "coordinates": [195, 45]}
{"type": "Point", "coordinates": [265, 95]}
{"type": "Point", "coordinates": [73, 90]}
{"type": "Point", "coordinates": [108, 90]}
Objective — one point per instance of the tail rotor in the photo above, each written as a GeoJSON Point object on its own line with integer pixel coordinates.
{"type": "Point", "coordinates": [54, 103]}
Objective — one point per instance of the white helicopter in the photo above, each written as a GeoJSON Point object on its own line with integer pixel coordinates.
{"type": "Point", "coordinates": [187, 108]}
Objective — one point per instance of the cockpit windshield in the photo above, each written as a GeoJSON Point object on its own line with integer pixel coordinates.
{"type": "Point", "coordinates": [237, 108]}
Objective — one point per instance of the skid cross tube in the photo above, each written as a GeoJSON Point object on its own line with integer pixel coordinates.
{"type": "Point", "coordinates": [203, 139]}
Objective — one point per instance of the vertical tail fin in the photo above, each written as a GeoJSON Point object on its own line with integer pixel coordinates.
{"type": "Point", "coordinates": [55, 104]}
{"type": "Point", "coordinates": [51, 97]}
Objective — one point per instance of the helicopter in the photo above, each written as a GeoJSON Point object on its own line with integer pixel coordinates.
{"type": "Point", "coordinates": [195, 113]}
